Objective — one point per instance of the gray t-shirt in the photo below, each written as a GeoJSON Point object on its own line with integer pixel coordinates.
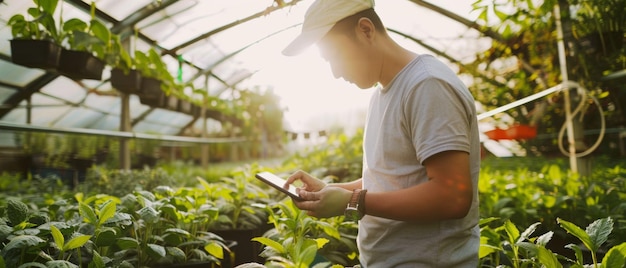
{"type": "Point", "coordinates": [425, 110]}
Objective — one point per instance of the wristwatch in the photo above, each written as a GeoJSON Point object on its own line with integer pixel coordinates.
{"type": "Point", "coordinates": [355, 209]}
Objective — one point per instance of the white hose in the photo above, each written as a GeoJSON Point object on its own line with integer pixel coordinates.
{"type": "Point", "coordinates": [576, 111]}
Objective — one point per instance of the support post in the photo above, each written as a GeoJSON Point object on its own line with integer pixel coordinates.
{"type": "Point", "coordinates": [564, 76]}
{"type": "Point", "coordinates": [125, 126]}
{"type": "Point", "coordinates": [575, 128]}
{"type": "Point", "coordinates": [204, 148]}
{"type": "Point", "coordinates": [125, 122]}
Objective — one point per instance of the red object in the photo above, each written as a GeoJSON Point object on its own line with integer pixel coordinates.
{"type": "Point", "coordinates": [516, 132]}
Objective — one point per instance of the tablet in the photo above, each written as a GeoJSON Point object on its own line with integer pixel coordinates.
{"type": "Point", "coordinates": [277, 183]}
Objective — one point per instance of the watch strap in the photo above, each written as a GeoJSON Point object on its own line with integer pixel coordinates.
{"type": "Point", "coordinates": [354, 200]}
{"type": "Point", "coordinates": [361, 201]}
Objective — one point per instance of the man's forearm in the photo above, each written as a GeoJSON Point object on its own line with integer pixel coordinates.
{"type": "Point", "coordinates": [356, 184]}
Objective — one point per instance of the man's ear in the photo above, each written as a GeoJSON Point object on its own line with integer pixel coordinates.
{"type": "Point", "coordinates": [366, 28]}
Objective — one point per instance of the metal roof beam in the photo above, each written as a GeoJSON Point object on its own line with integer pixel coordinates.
{"type": "Point", "coordinates": [26, 92]}
{"type": "Point", "coordinates": [265, 12]}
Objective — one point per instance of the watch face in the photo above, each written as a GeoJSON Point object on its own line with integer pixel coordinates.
{"type": "Point", "coordinates": [352, 214]}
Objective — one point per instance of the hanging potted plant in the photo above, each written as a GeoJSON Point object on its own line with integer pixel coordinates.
{"type": "Point", "coordinates": [36, 42]}
{"type": "Point", "coordinates": [156, 80]}
{"type": "Point", "coordinates": [124, 75]}
{"type": "Point", "coordinates": [89, 47]}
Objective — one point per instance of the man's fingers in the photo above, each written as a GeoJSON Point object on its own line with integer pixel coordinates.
{"type": "Point", "coordinates": [298, 175]}
{"type": "Point", "coordinates": [308, 196]}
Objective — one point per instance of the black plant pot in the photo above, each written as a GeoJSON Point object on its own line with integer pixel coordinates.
{"type": "Point", "coordinates": [80, 65]}
{"type": "Point", "coordinates": [80, 164]}
{"type": "Point", "coordinates": [246, 250]}
{"type": "Point", "coordinates": [128, 83]}
{"type": "Point", "coordinates": [150, 93]}
{"type": "Point", "coordinates": [41, 54]}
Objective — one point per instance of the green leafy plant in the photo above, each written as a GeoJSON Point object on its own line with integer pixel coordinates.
{"type": "Point", "coordinates": [95, 37]}
{"type": "Point", "coordinates": [239, 199]}
{"type": "Point", "coordinates": [41, 26]}
{"type": "Point", "coordinates": [151, 65]}
{"type": "Point", "coordinates": [592, 238]}
{"type": "Point", "coordinates": [299, 240]}
{"type": "Point", "coordinates": [525, 250]}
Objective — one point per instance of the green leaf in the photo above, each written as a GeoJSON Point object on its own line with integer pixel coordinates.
{"type": "Point", "coordinates": [528, 232]}
{"type": "Point", "coordinates": [107, 212]}
{"type": "Point", "coordinates": [96, 261]}
{"type": "Point", "coordinates": [330, 230]}
{"type": "Point", "coordinates": [49, 6]}
{"type": "Point", "coordinates": [544, 239]}
{"type": "Point", "coordinates": [148, 214]}
{"type": "Point", "coordinates": [59, 240]}
{"type": "Point", "coordinates": [511, 231]}
{"type": "Point", "coordinates": [599, 231]}
{"type": "Point", "coordinates": [74, 25]}
{"type": "Point", "coordinates": [270, 243]}
{"type": "Point", "coordinates": [177, 253]}
{"type": "Point", "coordinates": [32, 264]}
{"type": "Point", "coordinates": [60, 264]}
{"type": "Point", "coordinates": [100, 31]}
{"type": "Point", "coordinates": [615, 257]}
{"type": "Point", "coordinates": [576, 231]}
{"type": "Point", "coordinates": [307, 256]}
{"type": "Point", "coordinates": [547, 258]}
{"type": "Point", "coordinates": [577, 252]}
{"type": "Point", "coordinates": [127, 243]}
{"type": "Point", "coordinates": [321, 242]}
{"type": "Point", "coordinates": [485, 250]}
{"type": "Point", "coordinates": [156, 250]}
{"type": "Point", "coordinates": [16, 211]}
{"type": "Point", "coordinates": [24, 242]}
{"type": "Point", "coordinates": [215, 249]}
{"type": "Point", "coordinates": [77, 242]}
{"type": "Point", "coordinates": [106, 237]}
{"type": "Point", "coordinates": [88, 214]}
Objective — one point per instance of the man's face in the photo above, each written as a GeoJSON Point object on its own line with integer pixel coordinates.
{"type": "Point", "coordinates": [350, 59]}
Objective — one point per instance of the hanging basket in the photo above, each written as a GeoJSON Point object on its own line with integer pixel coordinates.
{"type": "Point", "coordinates": [42, 54]}
{"type": "Point", "coordinates": [150, 93]}
{"type": "Point", "coordinates": [80, 65]}
{"type": "Point", "coordinates": [516, 132]}
{"type": "Point", "coordinates": [127, 83]}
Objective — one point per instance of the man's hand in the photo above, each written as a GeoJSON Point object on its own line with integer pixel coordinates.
{"type": "Point", "coordinates": [320, 200]}
{"type": "Point", "coordinates": [310, 183]}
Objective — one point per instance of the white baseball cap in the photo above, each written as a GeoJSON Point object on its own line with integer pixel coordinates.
{"type": "Point", "coordinates": [320, 18]}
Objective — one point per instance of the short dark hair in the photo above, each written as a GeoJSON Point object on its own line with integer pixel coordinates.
{"type": "Point", "coordinates": [346, 25]}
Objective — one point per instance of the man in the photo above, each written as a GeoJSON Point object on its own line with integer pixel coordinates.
{"type": "Point", "coordinates": [418, 195]}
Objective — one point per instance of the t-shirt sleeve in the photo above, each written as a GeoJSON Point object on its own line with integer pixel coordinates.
{"type": "Point", "coordinates": [436, 118]}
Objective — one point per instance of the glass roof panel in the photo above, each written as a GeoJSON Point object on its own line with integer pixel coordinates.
{"type": "Point", "coordinates": [46, 116]}
{"type": "Point", "coordinates": [41, 99]}
{"type": "Point", "coordinates": [5, 30]}
{"type": "Point", "coordinates": [65, 88]}
{"type": "Point", "coordinates": [108, 104]}
{"type": "Point", "coordinates": [17, 75]}
{"type": "Point", "coordinates": [117, 11]}
{"type": "Point", "coordinates": [161, 116]}
{"type": "Point", "coordinates": [186, 19]}
{"type": "Point", "coordinates": [79, 118]}
{"type": "Point", "coordinates": [16, 115]}
{"type": "Point", "coordinates": [107, 122]}
{"type": "Point", "coordinates": [6, 93]}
